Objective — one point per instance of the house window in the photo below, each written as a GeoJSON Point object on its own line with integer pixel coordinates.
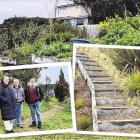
{"type": "Point", "coordinates": [61, 12]}
{"type": "Point", "coordinates": [80, 21]}
{"type": "Point", "coordinates": [67, 21]}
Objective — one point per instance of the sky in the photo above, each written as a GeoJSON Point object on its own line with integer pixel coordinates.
{"type": "Point", "coordinates": [29, 8]}
{"type": "Point", "coordinates": [53, 74]}
{"type": "Point", "coordinates": [25, 8]}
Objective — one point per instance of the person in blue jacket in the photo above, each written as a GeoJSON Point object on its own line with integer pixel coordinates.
{"type": "Point", "coordinates": [7, 104]}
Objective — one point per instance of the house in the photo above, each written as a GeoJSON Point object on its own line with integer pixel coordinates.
{"type": "Point", "coordinates": [67, 10]}
{"type": "Point", "coordinates": [71, 13]}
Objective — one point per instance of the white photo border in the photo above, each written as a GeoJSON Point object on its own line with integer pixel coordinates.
{"type": "Point", "coordinates": [71, 90]}
{"type": "Point", "coordinates": [89, 45]}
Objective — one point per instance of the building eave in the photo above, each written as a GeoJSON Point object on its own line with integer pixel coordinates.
{"type": "Point", "coordinates": [67, 5]}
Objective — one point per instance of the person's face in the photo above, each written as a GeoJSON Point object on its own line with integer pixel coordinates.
{"type": "Point", "coordinates": [32, 82]}
{"type": "Point", "coordinates": [6, 80]}
{"type": "Point", "coordinates": [16, 82]}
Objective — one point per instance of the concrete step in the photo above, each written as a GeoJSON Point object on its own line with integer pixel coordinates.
{"type": "Point", "coordinates": [90, 63]}
{"type": "Point", "coordinates": [98, 79]}
{"type": "Point", "coordinates": [106, 92]}
{"type": "Point", "coordinates": [113, 95]}
{"type": "Point", "coordinates": [103, 82]}
{"type": "Point", "coordinates": [98, 76]}
{"type": "Point", "coordinates": [106, 87]}
{"type": "Point", "coordinates": [109, 101]}
{"type": "Point", "coordinates": [82, 56]}
{"type": "Point", "coordinates": [119, 117]}
{"type": "Point", "coordinates": [87, 60]}
{"type": "Point", "coordinates": [93, 68]}
{"type": "Point", "coordinates": [102, 111]}
{"type": "Point", "coordinates": [118, 125]}
{"type": "Point", "coordinates": [98, 73]}
{"type": "Point", "coordinates": [79, 53]}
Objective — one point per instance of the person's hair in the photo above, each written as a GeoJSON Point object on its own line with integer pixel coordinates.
{"type": "Point", "coordinates": [17, 80]}
{"type": "Point", "coordinates": [2, 80]}
{"type": "Point", "coordinates": [29, 84]}
{"type": "Point", "coordinates": [33, 79]}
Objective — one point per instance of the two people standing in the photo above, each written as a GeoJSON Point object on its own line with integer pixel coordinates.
{"type": "Point", "coordinates": [11, 102]}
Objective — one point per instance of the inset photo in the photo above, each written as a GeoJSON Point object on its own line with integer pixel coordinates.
{"type": "Point", "coordinates": [107, 88]}
{"type": "Point", "coordinates": [36, 98]}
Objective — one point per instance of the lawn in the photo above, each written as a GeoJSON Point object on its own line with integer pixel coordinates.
{"type": "Point", "coordinates": [72, 137]}
{"type": "Point", "coordinates": [55, 115]}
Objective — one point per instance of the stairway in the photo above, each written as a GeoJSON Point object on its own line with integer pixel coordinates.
{"type": "Point", "coordinates": [113, 114]}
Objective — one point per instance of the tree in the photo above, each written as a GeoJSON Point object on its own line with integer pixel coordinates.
{"type": "Point", "coordinates": [99, 10]}
{"type": "Point", "coordinates": [10, 39]}
{"type": "Point", "coordinates": [24, 75]}
{"type": "Point", "coordinates": [61, 87]}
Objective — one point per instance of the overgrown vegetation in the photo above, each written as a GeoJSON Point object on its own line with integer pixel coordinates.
{"type": "Point", "coordinates": [120, 31]}
{"type": "Point", "coordinates": [125, 60]}
{"type": "Point", "coordinates": [36, 35]}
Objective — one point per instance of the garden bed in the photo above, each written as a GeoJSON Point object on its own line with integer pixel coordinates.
{"type": "Point", "coordinates": [83, 103]}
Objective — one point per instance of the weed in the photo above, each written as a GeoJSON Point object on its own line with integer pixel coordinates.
{"type": "Point", "coordinates": [83, 122]}
{"type": "Point", "coordinates": [79, 102]}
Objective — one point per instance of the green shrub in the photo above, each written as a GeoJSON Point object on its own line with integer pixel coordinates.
{"type": "Point", "coordinates": [51, 37]}
{"type": "Point", "coordinates": [134, 81]}
{"type": "Point", "coordinates": [79, 102]}
{"type": "Point", "coordinates": [120, 31]}
{"type": "Point", "coordinates": [66, 36]}
{"type": "Point", "coordinates": [83, 122]}
{"type": "Point", "coordinates": [33, 38]}
{"type": "Point", "coordinates": [59, 49]}
{"type": "Point", "coordinates": [26, 49]}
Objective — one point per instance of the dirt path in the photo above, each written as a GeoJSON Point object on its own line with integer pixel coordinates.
{"type": "Point", "coordinates": [45, 115]}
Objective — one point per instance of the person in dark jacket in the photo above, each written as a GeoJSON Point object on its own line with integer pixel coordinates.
{"type": "Point", "coordinates": [33, 97]}
{"type": "Point", "coordinates": [7, 104]}
{"type": "Point", "coordinates": [19, 94]}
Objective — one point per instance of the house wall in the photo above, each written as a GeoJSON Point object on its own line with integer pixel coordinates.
{"type": "Point", "coordinates": [72, 11]}
{"type": "Point", "coordinates": [64, 2]}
